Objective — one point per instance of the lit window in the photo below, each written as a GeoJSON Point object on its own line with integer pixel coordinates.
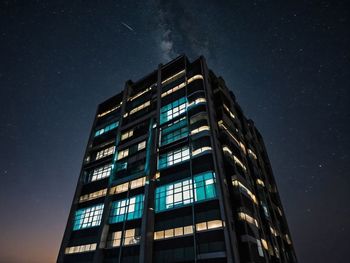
{"type": "Point", "coordinates": [101, 172]}
{"type": "Point", "coordinates": [127, 135]}
{"type": "Point", "coordinates": [245, 190]}
{"type": "Point", "coordinates": [173, 110]}
{"type": "Point", "coordinates": [88, 217]}
{"type": "Point", "coordinates": [240, 144]}
{"type": "Point", "coordinates": [81, 248]}
{"type": "Point", "coordinates": [173, 157]}
{"type": "Point", "coordinates": [127, 209]}
{"type": "Point", "coordinates": [201, 150]}
{"type": "Point", "coordinates": [229, 112]}
{"type": "Point", "coordinates": [200, 129]}
{"type": "Point", "coordinates": [141, 146]}
{"type": "Point", "coordinates": [264, 244]}
{"type": "Point", "coordinates": [182, 85]}
{"type": "Point", "coordinates": [138, 183]}
{"type": "Point", "coordinates": [286, 236]}
{"type": "Point", "coordinates": [107, 128]}
{"type": "Point", "coordinates": [114, 239]}
{"type": "Point", "coordinates": [125, 186]}
{"type": "Point", "coordinates": [215, 224]}
{"type": "Point", "coordinates": [179, 231]}
{"type": "Point", "coordinates": [174, 131]}
{"type": "Point", "coordinates": [251, 153]}
{"type": "Point", "coordinates": [93, 195]}
{"type": "Point", "coordinates": [138, 108]}
{"type": "Point", "coordinates": [187, 230]}
{"type": "Point", "coordinates": [141, 93]}
{"type": "Point", "coordinates": [109, 111]}
{"type": "Point", "coordinates": [197, 101]}
{"type": "Point", "coordinates": [248, 218]}
{"type": "Point", "coordinates": [105, 152]}
{"type": "Point", "coordinates": [158, 235]}
{"type": "Point", "coordinates": [201, 226]}
{"type": "Point", "coordinates": [234, 157]}
{"type": "Point", "coordinates": [173, 77]}
{"type": "Point", "coordinates": [260, 250]}
{"type": "Point", "coordinates": [131, 237]}
{"type": "Point", "coordinates": [273, 231]}
{"type": "Point", "coordinates": [181, 193]}
{"type": "Point", "coordinates": [120, 166]}
{"type": "Point", "coordinates": [123, 153]}
{"type": "Point", "coordinates": [260, 182]}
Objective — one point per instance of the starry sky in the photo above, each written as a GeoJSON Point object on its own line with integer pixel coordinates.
{"type": "Point", "coordinates": [286, 61]}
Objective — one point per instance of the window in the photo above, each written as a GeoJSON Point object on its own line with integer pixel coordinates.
{"type": "Point", "coordinates": [121, 166]}
{"type": "Point", "coordinates": [173, 77]}
{"type": "Point", "coordinates": [187, 230]}
{"type": "Point", "coordinates": [123, 153]}
{"type": "Point", "coordinates": [105, 152]}
{"type": "Point", "coordinates": [251, 153]}
{"type": "Point", "coordinates": [249, 219]}
{"type": "Point", "coordinates": [93, 195]}
{"type": "Point", "coordinates": [260, 250]}
{"type": "Point", "coordinates": [204, 185]}
{"type": "Point", "coordinates": [260, 182]}
{"type": "Point", "coordinates": [213, 224]}
{"type": "Point", "coordinates": [174, 131]}
{"type": "Point", "coordinates": [141, 146]}
{"type": "Point", "coordinates": [201, 150]}
{"type": "Point", "coordinates": [264, 244]}
{"type": "Point", "coordinates": [173, 232]}
{"type": "Point", "coordinates": [200, 129]}
{"type": "Point", "coordinates": [234, 157]}
{"type": "Point", "coordinates": [127, 134]}
{"type": "Point", "coordinates": [114, 239]}
{"type": "Point", "coordinates": [245, 190]}
{"type": "Point", "coordinates": [173, 110]}
{"type": "Point", "coordinates": [181, 85]}
{"type": "Point", "coordinates": [138, 108]}
{"type": "Point", "coordinates": [124, 187]}
{"type": "Point", "coordinates": [197, 101]}
{"type": "Point", "coordinates": [173, 157]}
{"type": "Point", "coordinates": [229, 112]}
{"type": "Point", "coordinates": [101, 172]}
{"type": "Point", "coordinates": [81, 248]}
{"type": "Point", "coordinates": [108, 111]}
{"type": "Point", "coordinates": [240, 144]}
{"type": "Point", "coordinates": [107, 128]}
{"type": "Point", "coordinates": [141, 93]}
{"type": "Point", "coordinates": [88, 217]}
{"type": "Point", "coordinates": [181, 193]}
{"type": "Point", "coordinates": [131, 237]}
{"type": "Point", "coordinates": [127, 209]}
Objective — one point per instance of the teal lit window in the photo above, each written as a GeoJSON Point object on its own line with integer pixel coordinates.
{"type": "Point", "coordinates": [174, 131]}
{"type": "Point", "coordinates": [173, 157]}
{"type": "Point", "coordinates": [88, 217]}
{"type": "Point", "coordinates": [181, 193]}
{"type": "Point", "coordinates": [173, 110]}
{"type": "Point", "coordinates": [106, 128]}
{"type": "Point", "coordinates": [126, 209]}
{"type": "Point", "coordinates": [120, 166]}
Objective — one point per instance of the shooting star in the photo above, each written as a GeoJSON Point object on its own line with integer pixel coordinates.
{"type": "Point", "coordinates": [127, 26]}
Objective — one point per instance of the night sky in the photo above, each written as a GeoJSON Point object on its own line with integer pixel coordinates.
{"type": "Point", "coordinates": [286, 62]}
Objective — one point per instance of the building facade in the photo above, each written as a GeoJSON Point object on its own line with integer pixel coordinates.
{"type": "Point", "coordinates": [174, 172]}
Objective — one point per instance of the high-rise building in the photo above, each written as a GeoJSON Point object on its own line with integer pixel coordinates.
{"type": "Point", "coordinates": [174, 172]}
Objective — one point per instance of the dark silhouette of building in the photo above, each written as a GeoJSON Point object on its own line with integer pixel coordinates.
{"type": "Point", "coordinates": [174, 172]}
